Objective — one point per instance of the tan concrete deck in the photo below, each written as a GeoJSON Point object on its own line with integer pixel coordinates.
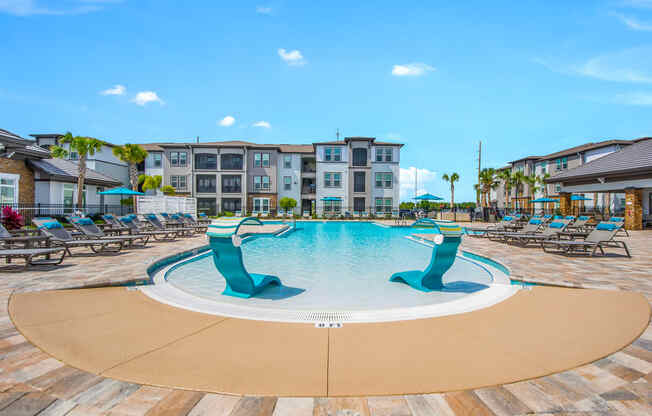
{"type": "Point", "coordinates": [32, 382]}
{"type": "Point", "coordinates": [532, 334]}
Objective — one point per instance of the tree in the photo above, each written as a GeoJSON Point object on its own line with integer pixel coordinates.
{"type": "Point", "coordinates": [505, 176]}
{"type": "Point", "coordinates": [454, 177]}
{"type": "Point", "coordinates": [287, 203]}
{"type": "Point", "coordinates": [168, 190]}
{"type": "Point", "coordinates": [83, 146]}
{"type": "Point", "coordinates": [150, 182]}
{"type": "Point", "coordinates": [542, 181]}
{"type": "Point", "coordinates": [488, 181]}
{"type": "Point", "coordinates": [518, 179]}
{"type": "Point", "coordinates": [132, 154]}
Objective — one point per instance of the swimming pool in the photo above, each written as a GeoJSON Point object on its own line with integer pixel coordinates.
{"type": "Point", "coordinates": [339, 267]}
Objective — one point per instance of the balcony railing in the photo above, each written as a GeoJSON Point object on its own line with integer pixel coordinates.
{"type": "Point", "coordinates": [310, 189]}
{"type": "Point", "coordinates": [231, 189]}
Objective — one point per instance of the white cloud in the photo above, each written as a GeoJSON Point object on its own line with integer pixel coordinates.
{"type": "Point", "coordinates": [262, 123]}
{"type": "Point", "coordinates": [145, 97]}
{"type": "Point", "coordinates": [226, 121]}
{"type": "Point", "coordinates": [424, 177]}
{"type": "Point", "coordinates": [264, 10]}
{"type": "Point", "coordinates": [633, 23]}
{"type": "Point", "coordinates": [294, 58]}
{"type": "Point", "coordinates": [635, 98]}
{"type": "Point", "coordinates": [630, 65]}
{"type": "Point", "coordinates": [116, 90]}
{"type": "Point", "coordinates": [411, 70]}
{"type": "Point", "coordinates": [33, 7]}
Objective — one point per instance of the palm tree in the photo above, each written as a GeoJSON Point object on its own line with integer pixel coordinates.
{"type": "Point", "coordinates": [505, 176]}
{"type": "Point", "coordinates": [518, 179]}
{"type": "Point", "coordinates": [542, 181]}
{"type": "Point", "coordinates": [454, 177]}
{"type": "Point", "coordinates": [150, 182]}
{"type": "Point", "coordinates": [83, 146]}
{"type": "Point", "coordinates": [488, 181]}
{"type": "Point", "coordinates": [132, 154]}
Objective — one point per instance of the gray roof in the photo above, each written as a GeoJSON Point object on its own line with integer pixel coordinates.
{"type": "Point", "coordinates": [66, 171]}
{"type": "Point", "coordinates": [635, 158]}
{"type": "Point", "coordinates": [26, 148]}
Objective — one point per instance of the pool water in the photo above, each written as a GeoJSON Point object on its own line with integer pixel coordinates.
{"type": "Point", "coordinates": [335, 265]}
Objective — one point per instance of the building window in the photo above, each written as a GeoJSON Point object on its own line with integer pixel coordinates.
{"type": "Point", "coordinates": [9, 188]}
{"type": "Point", "coordinates": [206, 184]}
{"type": "Point", "coordinates": [261, 205]}
{"type": "Point", "coordinates": [156, 159]}
{"type": "Point", "coordinates": [333, 154]}
{"type": "Point", "coordinates": [231, 162]}
{"type": "Point", "coordinates": [231, 184]}
{"type": "Point", "coordinates": [360, 157]}
{"type": "Point", "coordinates": [383, 205]}
{"type": "Point", "coordinates": [562, 163]}
{"type": "Point", "coordinates": [383, 154]}
{"type": "Point", "coordinates": [231, 204]}
{"type": "Point", "coordinates": [178, 159]}
{"type": "Point", "coordinates": [287, 161]}
{"type": "Point", "coordinates": [73, 156]}
{"type": "Point", "coordinates": [359, 179]}
{"type": "Point", "coordinates": [261, 160]}
{"type": "Point", "coordinates": [261, 183]}
{"type": "Point", "coordinates": [206, 161]}
{"type": "Point", "coordinates": [179, 183]}
{"type": "Point", "coordinates": [207, 206]}
{"type": "Point", "coordinates": [557, 187]}
{"type": "Point", "coordinates": [287, 183]}
{"type": "Point", "coordinates": [333, 206]}
{"type": "Point", "coordinates": [332, 180]}
{"type": "Point", "coordinates": [384, 180]}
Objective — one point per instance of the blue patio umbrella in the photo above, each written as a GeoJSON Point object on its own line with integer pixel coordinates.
{"type": "Point", "coordinates": [545, 200]}
{"type": "Point", "coordinates": [121, 191]}
{"type": "Point", "coordinates": [428, 197]}
{"type": "Point", "coordinates": [331, 198]}
{"type": "Point", "coordinates": [580, 198]}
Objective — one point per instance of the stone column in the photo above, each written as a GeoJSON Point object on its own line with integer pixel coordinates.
{"type": "Point", "coordinates": [633, 209]}
{"type": "Point", "coordinates": [565, 203]}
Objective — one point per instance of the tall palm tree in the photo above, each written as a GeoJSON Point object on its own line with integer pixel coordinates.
{"type": "Point", "coordinates": [505, 176]}
{"type": "Point", "coordinates": [488, 181]}
{"type": "Point", "coordinates": [83, 146]}
{"type": "Point", "coordinates": [132, 154]}
{"type": "Point", "coordinates": [454, 177]}
{"type": "Point", "coordinates": [518, 179]}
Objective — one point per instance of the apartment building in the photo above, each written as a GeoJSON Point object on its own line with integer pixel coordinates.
{"type": "Point", "coordinates": [354, 174]}
{"type": "Point", "coordinates": [551, 165]}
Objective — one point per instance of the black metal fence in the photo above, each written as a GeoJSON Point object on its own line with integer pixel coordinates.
{"type": "Point", "coordinates": [29, 211]}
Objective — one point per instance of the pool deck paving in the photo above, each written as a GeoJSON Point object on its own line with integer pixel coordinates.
{"type": "Point", "coordinates": [32, 382]}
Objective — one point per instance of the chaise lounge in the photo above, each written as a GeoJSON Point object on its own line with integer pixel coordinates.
{"type": "Point", "coordinates": [227, 256]}
{"type": "Point", "coordinates": [60, 236]}
{"type": "Point", "coordinates": [600, 238]}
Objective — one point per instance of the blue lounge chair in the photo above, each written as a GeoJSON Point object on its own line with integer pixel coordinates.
{"type": "Point", "coordinates": [227, 256]}
{"type": "Point", "coordinates": [443, 257]}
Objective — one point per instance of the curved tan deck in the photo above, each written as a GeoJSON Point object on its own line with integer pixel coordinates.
{"type": "Point", "coordinates": [125, 335]}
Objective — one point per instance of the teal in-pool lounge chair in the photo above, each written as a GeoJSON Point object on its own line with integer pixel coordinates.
{"type": "Point", "coordinates": [443, 257]}
{"type": "Point", "coordinates": [227, 256]}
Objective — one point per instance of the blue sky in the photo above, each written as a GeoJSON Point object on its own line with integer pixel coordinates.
{"type": "Point", "coordinates": [525, 77]}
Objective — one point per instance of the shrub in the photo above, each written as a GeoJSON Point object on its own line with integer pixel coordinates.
{"type": "Point", "coordinates": [12, 220]}
{"type": "Point", "coordinates": [229, 214]}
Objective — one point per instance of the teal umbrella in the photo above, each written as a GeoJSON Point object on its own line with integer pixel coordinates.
{"type": "Point", "coordinates": [428, 197]}
{"type": "Point", "coordinates": [545, 200]}
{"type": "Point", "coordinates": [331, 198]}
{"type": "Point", "coordinates": [121, 191]}
{"type": "Point", "coordinates": [580, 198]}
